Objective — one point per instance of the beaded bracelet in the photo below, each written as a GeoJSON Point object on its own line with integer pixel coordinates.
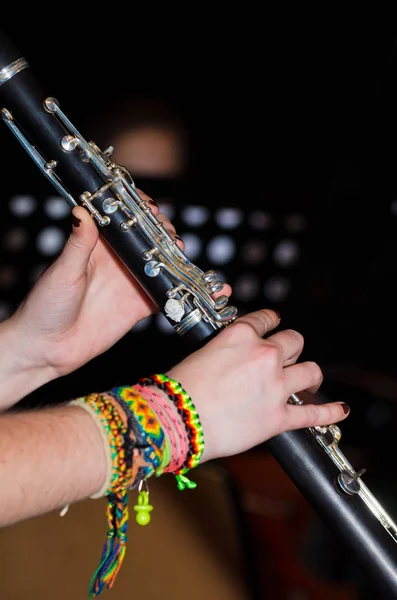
{"type": "Point", "coordinates": [190, 418]}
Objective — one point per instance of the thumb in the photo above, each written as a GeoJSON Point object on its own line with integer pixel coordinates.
{"type": "Point", "coordinates": [80, 244]}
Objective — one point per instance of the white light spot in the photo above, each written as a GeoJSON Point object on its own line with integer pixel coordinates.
{"type": "Point", "coordinates": [8, 277]}
{"type": "Point", "coordinates": [221, 249]}
{"type": "Point", "coordinates": [193, 245]}
{"type": "Point", "coordinates": [23, 205]}
{"type": "Point", "coordinates": [37, 271]}
{"type": "Point", "coordinates": [163, 324]}
{"type": "Point", "coordinates": [286, 253]}
{"type": "Point", "coordinates": [15, 239]}
{"type": "Point", "coordinates": [195, 215]}
{"type": "Point", "coordinates": [229, 218]}
{"type": "Point", "coordinates": [56, 207]}
{"type": "Point", "coordinates": [5, 311]}
{"type": "Point", "coordinates": [142, 324]}
{"type": "Point", "coordinates": [246, 287]}
{"type": "Point", "coordinates": [254, 251]}
{"type": "Point", "coordinates": [277, 288]}
{"type": "Point", "coordinates": [259, 219]}
{"type": "Point", "coordinates": [166, 207]}
{"type": "Point", "coordinates": [50, 240]}
{"type": "Point", "coordinates": [295, 223]}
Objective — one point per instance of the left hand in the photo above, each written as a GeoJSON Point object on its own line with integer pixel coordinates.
{"type": "Point", "coordinates": [83, 303]}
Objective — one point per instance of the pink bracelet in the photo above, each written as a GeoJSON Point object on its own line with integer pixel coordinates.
{"type": "Point", "coordinates": [161, 406]}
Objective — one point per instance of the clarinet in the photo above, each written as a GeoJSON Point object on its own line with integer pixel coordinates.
{"type": "Point", "coordinates": [85, 175]}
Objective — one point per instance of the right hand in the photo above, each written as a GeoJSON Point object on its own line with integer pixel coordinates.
{"type": "Point", "coordinates": [240, 384]}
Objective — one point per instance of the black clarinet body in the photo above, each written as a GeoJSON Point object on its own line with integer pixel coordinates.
{"type": "Point", "coordinates": [85, 175]}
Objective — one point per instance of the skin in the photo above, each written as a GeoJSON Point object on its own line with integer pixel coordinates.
{"type": "Point", "coordinates": [239, 382]}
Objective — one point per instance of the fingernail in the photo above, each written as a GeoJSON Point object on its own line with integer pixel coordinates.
{"type": "Point", "coordinates": [345, 408]}
{"type": "Point", "coordinates": [152, 202]}
{"type": "Point", "coordinates": [178, 238]}
{"type": "Point", "coordinates": [76, 222]}
{"type": "Point", "coordinates": [278, 314]}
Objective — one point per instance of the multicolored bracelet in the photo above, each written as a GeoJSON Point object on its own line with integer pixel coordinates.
{"type": "Point", "coordinates": [135, 424]}
{"type": "Point", "coordinates": [170, 422]}
{"type": "Point", "coordinates": [190, 418]}
{"type": "Point", "coordinates": [136, 446]}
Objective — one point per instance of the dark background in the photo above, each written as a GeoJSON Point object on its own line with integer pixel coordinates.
{"type": "Point", "coordinates": [286, 120]}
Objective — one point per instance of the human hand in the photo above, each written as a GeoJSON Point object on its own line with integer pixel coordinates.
{"type": "Point", "coordinates": [240, 384]}
{"type": "Point", "coordinates": [66, 319]}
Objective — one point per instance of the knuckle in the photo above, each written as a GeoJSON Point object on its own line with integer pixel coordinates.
{"type": "Point", "coordinates": [74, 243]}
{"type": "Point", "coordinates": [272, 352]}
{"type": "Point", "coordinates": [243, 329]}
{"type": "Point", "coordinates": [312, 414]}
{"type": "Point", "coordinates": [267, 317]}
{"type": "Point", "coordinates": [316, 374]}
{"type": "Point", "coordinates": [298, 336]}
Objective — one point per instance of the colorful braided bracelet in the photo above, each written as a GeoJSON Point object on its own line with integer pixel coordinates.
{"type": "Point", "coordinates": [136, 446]}
{"type": "Point", "coordinates": [172, 425]}
{"type": "Point", "coordinates": [190, 418]}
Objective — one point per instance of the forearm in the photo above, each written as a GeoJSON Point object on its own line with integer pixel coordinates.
{"type": "Point", "coordinates": [48, 458]}
{"type": "Point", "coordinates": [18, 378]}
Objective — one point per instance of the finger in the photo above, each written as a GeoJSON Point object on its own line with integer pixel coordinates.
{"type": "Point", "coordinates": [303, 376]}
{"type": "Point", "coordinates": [150, 202]}
{"type": "Point", "coordinates": [80, 244]}
{"type": "Point", "coordinates": [171, 230]}
{"type": "Point", "coordinates": [261, 321]}
{"type": "Point", "coordinates": [313, 415]}
{"type": "Point", "coordinates": [167, 224]}
{"type": "Point", "coordinates": [290, 343]}
{"type": "Point", "coordinates": [225, 291]}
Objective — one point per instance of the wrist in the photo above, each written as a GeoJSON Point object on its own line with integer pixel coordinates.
{"type": "Point", "coordinates": [19, 373]}
{"type": "Point", "coordinates": [203, 406]}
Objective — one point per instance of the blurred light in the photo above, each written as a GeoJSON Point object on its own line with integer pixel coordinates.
{"type": "Point", "coordinates": [277, 288]}
{"type": "Point", "coordinates": [229, 218]}
{"type": "Point", "coordinates": [393, 207]}
{"type": "Point", "coordinates": [50, 240]}
{"type": "Point", "coordinates": [163, 324]}
{"type": "Point", "coordinates": [286, 253]}
{"type": "Point", "coordinates": [195, 215]}
{"type": "Point", "coordinates": [56, 207]}
{"type": "Point", "coordinates": [193, 245]}
{"type": "Point", "coordinates": [37, 271]}
{"type": "Point", "coordinates": [166, 207]}
{"type": "Point", "coordinates": [15, 239]}
{"type": "Point", "coordinates": [259, 219]}
{"type": "Point", "coordinates": [5, 310]}
{"type": "Point", "coordinates": [295, 223]}
{"type": "Point", "coordinates": [151, 151]}
{"type": "Point", "coordinates": [246, 287]}
{"type": "Point", "coordinates": [8, 277]}
{"type": "Point", "coordinates": [23, 205]}
{"type": "Point", "coordinates": [142, 324]}
{"type": "Point", "coordinates": [254, 251]}
{"type": "Point", "coordinates": [221, 249]}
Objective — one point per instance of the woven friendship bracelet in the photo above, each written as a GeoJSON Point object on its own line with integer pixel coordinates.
{"type": "Point", "coordinates": [189, 416]}
{"type": "Point", "coordinates": [179, 444]}
{"type": "Point", "coordinates": [150, 430]}
{"type": "Point", "coordinates": [136, 446]}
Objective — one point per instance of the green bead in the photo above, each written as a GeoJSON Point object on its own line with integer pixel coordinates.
{"type": "Point", "coordinates": [143, 509]}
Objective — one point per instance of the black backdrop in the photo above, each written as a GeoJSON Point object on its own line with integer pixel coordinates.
{"type": "Point", "coordinates": [287, 121]}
